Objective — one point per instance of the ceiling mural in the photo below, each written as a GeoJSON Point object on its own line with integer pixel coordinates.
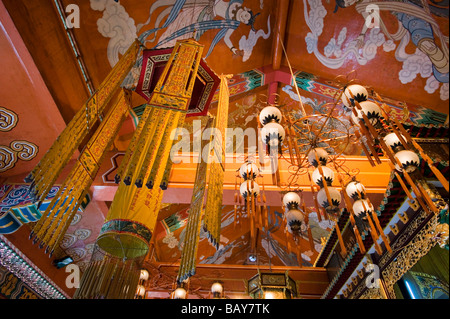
{"type": "Point", "coordinates": [235, 25]}
{"type": "Point", "coordinates": [235, 238]}
{"type": "Point", "coordinates": [412, 35]}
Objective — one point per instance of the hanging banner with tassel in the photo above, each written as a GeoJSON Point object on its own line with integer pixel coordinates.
{"type": "Point", "coordinates": [54, 222]}
{"type": "Point", "coordinates": [189, 252]}
{"type": "Point", "coordinates": [48, 169]}
{"type": "Point", "coordinates": [213, 210]}
{"type": "Point", "coordinates": [132, 217]}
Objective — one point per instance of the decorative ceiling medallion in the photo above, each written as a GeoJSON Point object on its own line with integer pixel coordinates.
{"type": "Point", "coordinates": [22, 150]}
{"type": "Point", "coordinates": [8, 119]}
{"type": "Point", "coordinates": [206, 84]}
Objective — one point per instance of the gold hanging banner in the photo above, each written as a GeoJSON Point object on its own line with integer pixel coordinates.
{"type": "Point", "coordinates": [53, 224]}
{"type": "Point", "coordinates": [191, 238]}
{"type": "Point", "coordinates": [132, 217]}
{"type": "Point", "coordinates": [48, 169]}
{"type": "Point", "coordinates": [213, 210]}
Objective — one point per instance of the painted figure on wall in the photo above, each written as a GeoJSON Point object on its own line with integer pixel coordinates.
{"type": "Point", "coordinates": [180, 19]}
{"type": "Point", "coordinates": [192, 18]}
{"type": "Point", "coordinates": [415, 24]}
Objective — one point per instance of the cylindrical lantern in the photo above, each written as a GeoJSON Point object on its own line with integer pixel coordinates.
{"type": "Point", "coordinates": [335, 196]}
{"type": "Point", "coordinates": [270, 114]}
{"type": "Point", "coordinates": [291, 200]}
{"type": "Point", "coordinates": [393, 141]}
{"type": "Point", "coordinates": [322, 154]}
{"type": "Point", "coordinates": [273, 134]}
{"type": "Point", "coordinates": [246, 189]}
{"type": "Point", "coordinates": [370, 109]}
{"type": "Point", "coordinates": [328, 174]}
{"type": "Point", "coordinates": [355, 189]}
{"type": "Point", "coordinates": [359, 92]}
{"type": "Point", "coordinates": [179, 293]}
{"type": "Point", "coordinates": [362, 207]}
{"type": "Point", "coordinates": [246, 170]}
{"type": "Point", "coordinates": [409, 160]}
{"type": "Point", "coordinates": [295, 221]}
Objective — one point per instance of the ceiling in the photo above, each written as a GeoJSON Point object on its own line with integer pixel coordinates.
{"type": "Point", "coordinates": [45, 83]}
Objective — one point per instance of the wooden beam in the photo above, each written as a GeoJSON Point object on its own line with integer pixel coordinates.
{"type": "Point", "coordinates": [279, 32]}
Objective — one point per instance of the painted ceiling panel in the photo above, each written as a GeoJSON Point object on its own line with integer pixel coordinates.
{"type": "Point", "coordinates": [403, 56]}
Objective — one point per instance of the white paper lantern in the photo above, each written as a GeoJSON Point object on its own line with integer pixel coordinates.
{"type": "Point", "coordinates": [393, 141]}
{"type": "Point", "coordinates": [327, 173]}
{"type": "Point", "coordinates": [291, 200]}
{"type": "Point", "coordinates": [322, 154]}
{"type": "Point", "coordinates": [353, 189]}
{"type": "Point", "coordinates": [140, 291]}
{"type": "Point", "coordinates": [335, 196]}
{"type": "Point", "coordinates": [144, 275]}
{"type": "Point", "coordinates": [273, 134]}
{"type": "Point", "coordinates": [270, 114]}
{"type": "Point", "coordinates": [359, 92]}
{"type": "Point", "coordinates": [246, 170]}
{"type": "Point", "coordinates": [216, 288]}
{"type": "Point", "coordinates": [295, 221]}
{"type": "Point", "coordinates": [362, 207]}
{"type": "Point", "coordinates": [179, 293]}
{"type": "Point", "coordinates": [246, 189]}
{"type": "Point", "coordinates": [370, 109]}
{"type": "Point", "coordinates": [409, 160]}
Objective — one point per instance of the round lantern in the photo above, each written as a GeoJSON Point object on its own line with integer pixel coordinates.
{"type": "Point", "coordinates": [144, 275]}
{"type": "Point", "coordinates": [409, 160]}
{"type": "Point", "coordinates": [270, 114]}
{"type": "Point", "coordinates": [322, 154]}
{"type": "Point", "coordinates": [273, 134]}
{"type": "Point", "coordinates": [246, 189]}
{"type": "Point", "coordinates": [370, 109]}
{"type": "Point", "coordinates": [362, 207]}
{"type": "Point", "coordinates": [354, 189]}
{"type": "Point", "coordinates": [335, 197]}
{"type": "Point", "coordinates": [295, 221]}
{"type": "Point", "coordinates": [359, 92]}
{"type": "Point", "coordinates": [291, 200]}
{"type": "Point", "coordinates": [179, 293]}
{"type": "Point", "coordinates": [248, 171]}
{"type": "Point", "coordinates": [328, 174]}
{"type": "Point", "coordinates": [217, 290]}
{"type": "Point", "coordinates": [393, 141]}
{"type": "Point", "coordinates": [140, 291]}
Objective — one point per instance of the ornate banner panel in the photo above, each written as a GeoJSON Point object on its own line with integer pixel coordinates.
{"type": "Point", "coordinates": [217, 167]}
{"type": "Point", "coordinates": [51, 228]}
{"type": "Point", "coordinates": [146, 162]}
{"type": "Point", "coordinates": [189, 253]}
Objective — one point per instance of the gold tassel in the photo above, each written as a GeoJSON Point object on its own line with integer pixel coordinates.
{"type": "Point", "coordinates": [213, 209]}
{"type": "Point", "coordinates": [189, 252]}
